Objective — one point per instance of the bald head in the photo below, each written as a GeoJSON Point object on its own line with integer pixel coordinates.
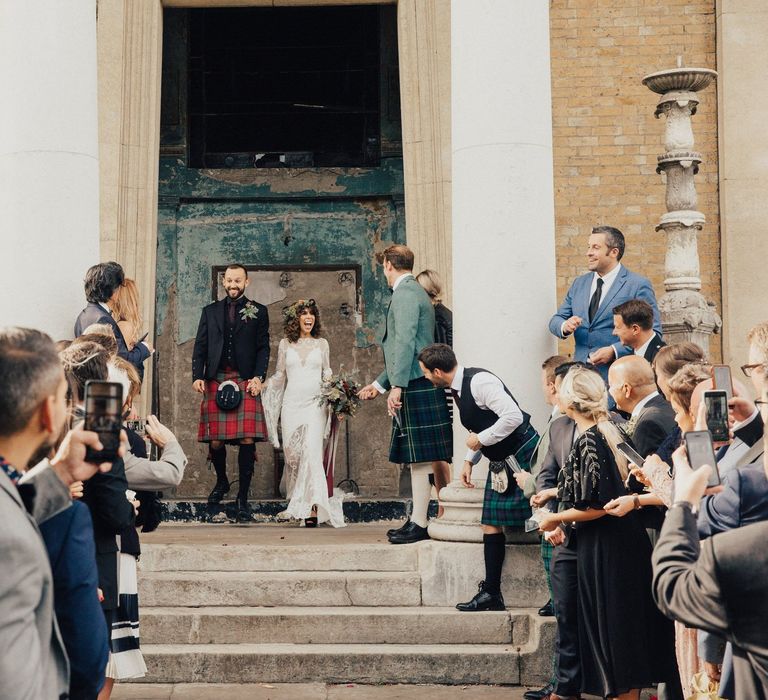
{"type": "Point", "coordinates": [630, 380]}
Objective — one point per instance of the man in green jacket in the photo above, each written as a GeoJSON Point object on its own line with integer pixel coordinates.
{"type": "Point", "coordinates": [421, 428]}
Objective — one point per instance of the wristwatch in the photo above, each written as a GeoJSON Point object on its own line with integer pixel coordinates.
{"type": "Point", "coordinates": [636, 501]}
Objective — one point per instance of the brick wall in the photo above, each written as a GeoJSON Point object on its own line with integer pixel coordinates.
{"type": "Point", "coordinates": [606, 138]}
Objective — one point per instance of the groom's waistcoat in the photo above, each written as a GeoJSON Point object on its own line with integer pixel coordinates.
{"type": "Point", "coordinates": [478, 419]}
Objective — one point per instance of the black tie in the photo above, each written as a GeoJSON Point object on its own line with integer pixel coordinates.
{"type": "Point", "coordinates": [594, 302]}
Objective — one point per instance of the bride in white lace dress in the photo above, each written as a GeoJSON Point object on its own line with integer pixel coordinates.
{"type": "Point", "coordinates": [291, 393]}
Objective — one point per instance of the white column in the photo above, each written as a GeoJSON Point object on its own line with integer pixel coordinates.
{"type": "Point", "coordinates": [49, 168]}
{"type": "Point", "coordinates": [503, 212]}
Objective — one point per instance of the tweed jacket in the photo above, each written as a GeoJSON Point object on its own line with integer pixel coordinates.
{"type": "Point", "coordinates": [410, 328]}
{"type": "Point", "coordinates": [33, 663]}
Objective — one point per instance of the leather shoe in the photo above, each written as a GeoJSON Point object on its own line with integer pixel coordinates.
{"type": "Point", "coordinates": [547, 610]}
{"type": "Point", "coordinates": [540, 694]}
{"type": "Point", "coordinates": [219, 491]}
{"type": "Point", "coordinates": [410, 533]}
{"type": "Point", "coordinates": [483, 600]}
{"type": "Point", "coordinates": [395, 530]}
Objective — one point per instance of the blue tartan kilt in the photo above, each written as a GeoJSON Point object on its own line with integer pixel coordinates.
{"type": "Point", "coordinates": [512, 507]}
{"type": "Point", "coordinates": [427, 434]}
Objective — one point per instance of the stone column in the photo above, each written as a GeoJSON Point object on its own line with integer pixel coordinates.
{"type": "Point", "coordinates": [503, 213]}
{"type": "Point", "coordinates": [424, 46]}
{"type": "Point", "coordinates": [130, 66]}
{"type": "Point", "coordinates": [685, 313]}
{"type": "Point", "coordinates": [49, 166]}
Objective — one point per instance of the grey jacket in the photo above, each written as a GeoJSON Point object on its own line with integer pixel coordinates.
{"type": "Point", "coordinates": [33, 663]}
{"type": "Point", "coordinates": [719, 586]}
{"type": "Point", "coordinates": [148, 475]}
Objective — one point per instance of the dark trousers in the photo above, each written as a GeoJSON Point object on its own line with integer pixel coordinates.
{"type": "Point", "coordinates": [565, 586]}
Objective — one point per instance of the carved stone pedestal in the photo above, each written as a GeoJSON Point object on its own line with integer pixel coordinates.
{"type": "Point", "coordinates": [462, 509]}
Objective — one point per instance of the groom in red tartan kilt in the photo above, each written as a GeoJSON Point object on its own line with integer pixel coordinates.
{"type": "Point", "coordinates": [232, 345]}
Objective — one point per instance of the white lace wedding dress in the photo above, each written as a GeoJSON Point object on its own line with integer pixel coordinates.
{"type": "Point", "coordinates": [291, 393]}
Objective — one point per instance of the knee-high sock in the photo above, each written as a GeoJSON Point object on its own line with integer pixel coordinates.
{"type": "Point", "coordinates": [245, 459]}
{"type": "Point", "coordinates": [421, 490]}
{"type": "Point", "coordinates": [494, 549]}
{"type": "Point", "coordinates": [219, 460]}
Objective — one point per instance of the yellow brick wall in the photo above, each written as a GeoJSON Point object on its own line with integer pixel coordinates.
{"type": "Point", "coordinates": [606, 138]}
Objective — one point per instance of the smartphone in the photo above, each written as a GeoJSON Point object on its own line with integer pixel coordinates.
{"type": "Point", "coordinates": [630, 454]}
{"type": "Point", "coordinates": [103, 415]}
{"type": "Point", "coordinates": [698, 444]}
{"type": "Point", "coordinates": [721, 378]}
{"type": "Point", "coordinates": [716, 405]}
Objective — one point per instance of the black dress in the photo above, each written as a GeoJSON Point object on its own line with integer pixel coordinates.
{"type": "Point", "coordinates": [625, 642]}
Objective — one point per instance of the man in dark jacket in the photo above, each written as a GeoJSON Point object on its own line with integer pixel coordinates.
{"type": "Point", "coordinates": [101, 284]}
{"type": "Point", "coordinates": [232, 348]}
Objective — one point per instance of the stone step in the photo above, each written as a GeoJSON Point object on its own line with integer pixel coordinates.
{"type": "Point", "coordinates": [450, 664]}
{"type": "Point", "coordinates": [260, 557]}
{"type": "Point", "coordinates": [304, 588]}
{"type": "Point", "coordinates": [350, 625]}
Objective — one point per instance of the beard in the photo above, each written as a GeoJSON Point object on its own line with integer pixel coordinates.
{"type": "Point", "coordinates": [45, 451]}
{"type": "Point", "coordinates": [235, 292]}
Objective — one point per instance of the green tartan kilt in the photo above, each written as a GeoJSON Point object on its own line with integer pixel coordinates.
{"type": "Point", "coordinates": [512, 507]}
{"type": "Point", "coordinates": [427, 434]}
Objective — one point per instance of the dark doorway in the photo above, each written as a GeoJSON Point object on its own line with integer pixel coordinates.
{"type": "Point", "coordinates": [284, 87]}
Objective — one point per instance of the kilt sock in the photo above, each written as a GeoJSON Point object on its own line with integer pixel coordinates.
{"type": "Point", "coordinates": [219, 460]}
{"type": "Point", "coordinates": [421, 491]}
{"type": "Point", "coordinates": [494, 549]}
{"type": "Point", "coordinates": [246, 456]}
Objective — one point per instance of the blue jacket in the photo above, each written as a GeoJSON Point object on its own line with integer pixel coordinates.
{"type": "Point", "coordinates": [68, 538]}
{"type": "Point", "coordinates": [94, 313]}
{"type": "Point", "coordinates": [599, 333]}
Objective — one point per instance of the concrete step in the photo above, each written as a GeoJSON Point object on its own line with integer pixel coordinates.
{"type": "Point", "coordinates": [450, 664]}
{"type": "Point", "coordinates": [260, 557]}
{"type": "Point", "coordinates": [358, 625]}
{"type": "Point", "coordinates": [304, 588]}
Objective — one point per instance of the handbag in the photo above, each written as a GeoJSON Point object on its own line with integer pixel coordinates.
{"type": "Point", "coordinates": [228, 396]}
{"type": "Point", "coordinates": [502, 474]}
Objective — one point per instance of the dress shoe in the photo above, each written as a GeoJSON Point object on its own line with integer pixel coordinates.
{"type": "Point", "coordinates": [547, 610]}
{"type": "Point", "coordinates": [540, 694]}
{"type": "Point", "coordinates": [483, 601]}
{"type": "Point", "coordinates": [219, 491]}
{"type": "Point", "coordinates": [410, 533]}
{"type": "Point", "coordinates": [242, 510]}
{"type": "Point", "coordinates": [398, 529]}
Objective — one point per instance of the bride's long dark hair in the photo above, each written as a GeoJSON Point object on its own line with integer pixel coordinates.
{"type": "Point", "coordinates": [292, 329]}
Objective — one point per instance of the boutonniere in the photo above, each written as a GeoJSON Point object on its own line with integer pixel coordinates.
{"type": "Point", "coordinates": [249, 311]}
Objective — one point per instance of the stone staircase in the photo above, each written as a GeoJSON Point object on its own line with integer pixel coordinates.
{"type": "Point", "coordinates": [355, 612]}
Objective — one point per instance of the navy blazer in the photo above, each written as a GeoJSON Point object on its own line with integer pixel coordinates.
{"type": "Point", "coordinates": [68, 538]}
{"type": "Point", "coordinates": [95, 313]}
{"type": "Point", "coordinates": [743, 501]}
{"type": "Point", "coordinates": [599, 333]}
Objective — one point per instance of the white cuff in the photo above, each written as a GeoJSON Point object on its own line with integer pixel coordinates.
{"type": "Point", "coordinates": [379, 388]}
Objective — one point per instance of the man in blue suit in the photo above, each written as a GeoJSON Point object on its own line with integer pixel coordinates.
{"type": "Point", "coordinates": [587, 312]}
{"type": "Point", "coordinates": [101, 283]}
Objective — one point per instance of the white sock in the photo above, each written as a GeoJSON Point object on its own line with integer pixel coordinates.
{"type": "Point", "coordinates": [421, 491]}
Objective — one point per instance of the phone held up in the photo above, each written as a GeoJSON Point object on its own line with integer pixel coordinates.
{"type": "Point", "coordinates": [721, 380]}
{"type": "Point", "coordinates": [103, 415]}
{"type": "Point", "coordinates": [716, 406]}
{"type": "Point", "coordinates": [698, 445]}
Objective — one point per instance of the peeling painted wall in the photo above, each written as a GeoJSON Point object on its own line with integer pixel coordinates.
{"type": "Point", "coordinates": [305, 220]}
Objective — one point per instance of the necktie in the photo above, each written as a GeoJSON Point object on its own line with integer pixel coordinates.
{"type": "Point", "coordinates": [231, 309]}
{"type": "Point", "coordinates": [455, 395]}
{"type": "Point", "coordinates": [594, 302]}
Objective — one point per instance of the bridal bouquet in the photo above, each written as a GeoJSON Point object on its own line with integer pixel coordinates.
{"type": "Point", "coordinates": [339, 393]}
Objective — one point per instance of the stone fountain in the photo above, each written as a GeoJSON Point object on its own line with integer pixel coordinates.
{"type": "Point", "coordinates": [685, 314]}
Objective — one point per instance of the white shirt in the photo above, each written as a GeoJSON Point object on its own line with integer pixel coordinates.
{"type": "Point", "coordinates": [641, 350]}
{"type": "Point", "coordinates": [376, 385]}
{"type": "Point", "coordinates": [608, 279]}
{"type": "Point", "coordinates": [488, 393]}
{"type": "Point", "coordinates": [640, 405]}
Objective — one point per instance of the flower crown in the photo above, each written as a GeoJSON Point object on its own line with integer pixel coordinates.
{"type": "Point", "coordinates": [291, 312]}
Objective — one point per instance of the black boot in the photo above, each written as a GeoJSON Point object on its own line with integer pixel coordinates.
{"type": "Point", "coordinates": [242, 510]}
{"type": "Point", "coordinates": [219, 460]}
{"type": "Point", "coordinates": [483, 601]}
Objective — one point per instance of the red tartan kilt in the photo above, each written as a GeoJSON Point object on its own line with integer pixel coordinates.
{"type": "Point", "coordinates": [246, 421]}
